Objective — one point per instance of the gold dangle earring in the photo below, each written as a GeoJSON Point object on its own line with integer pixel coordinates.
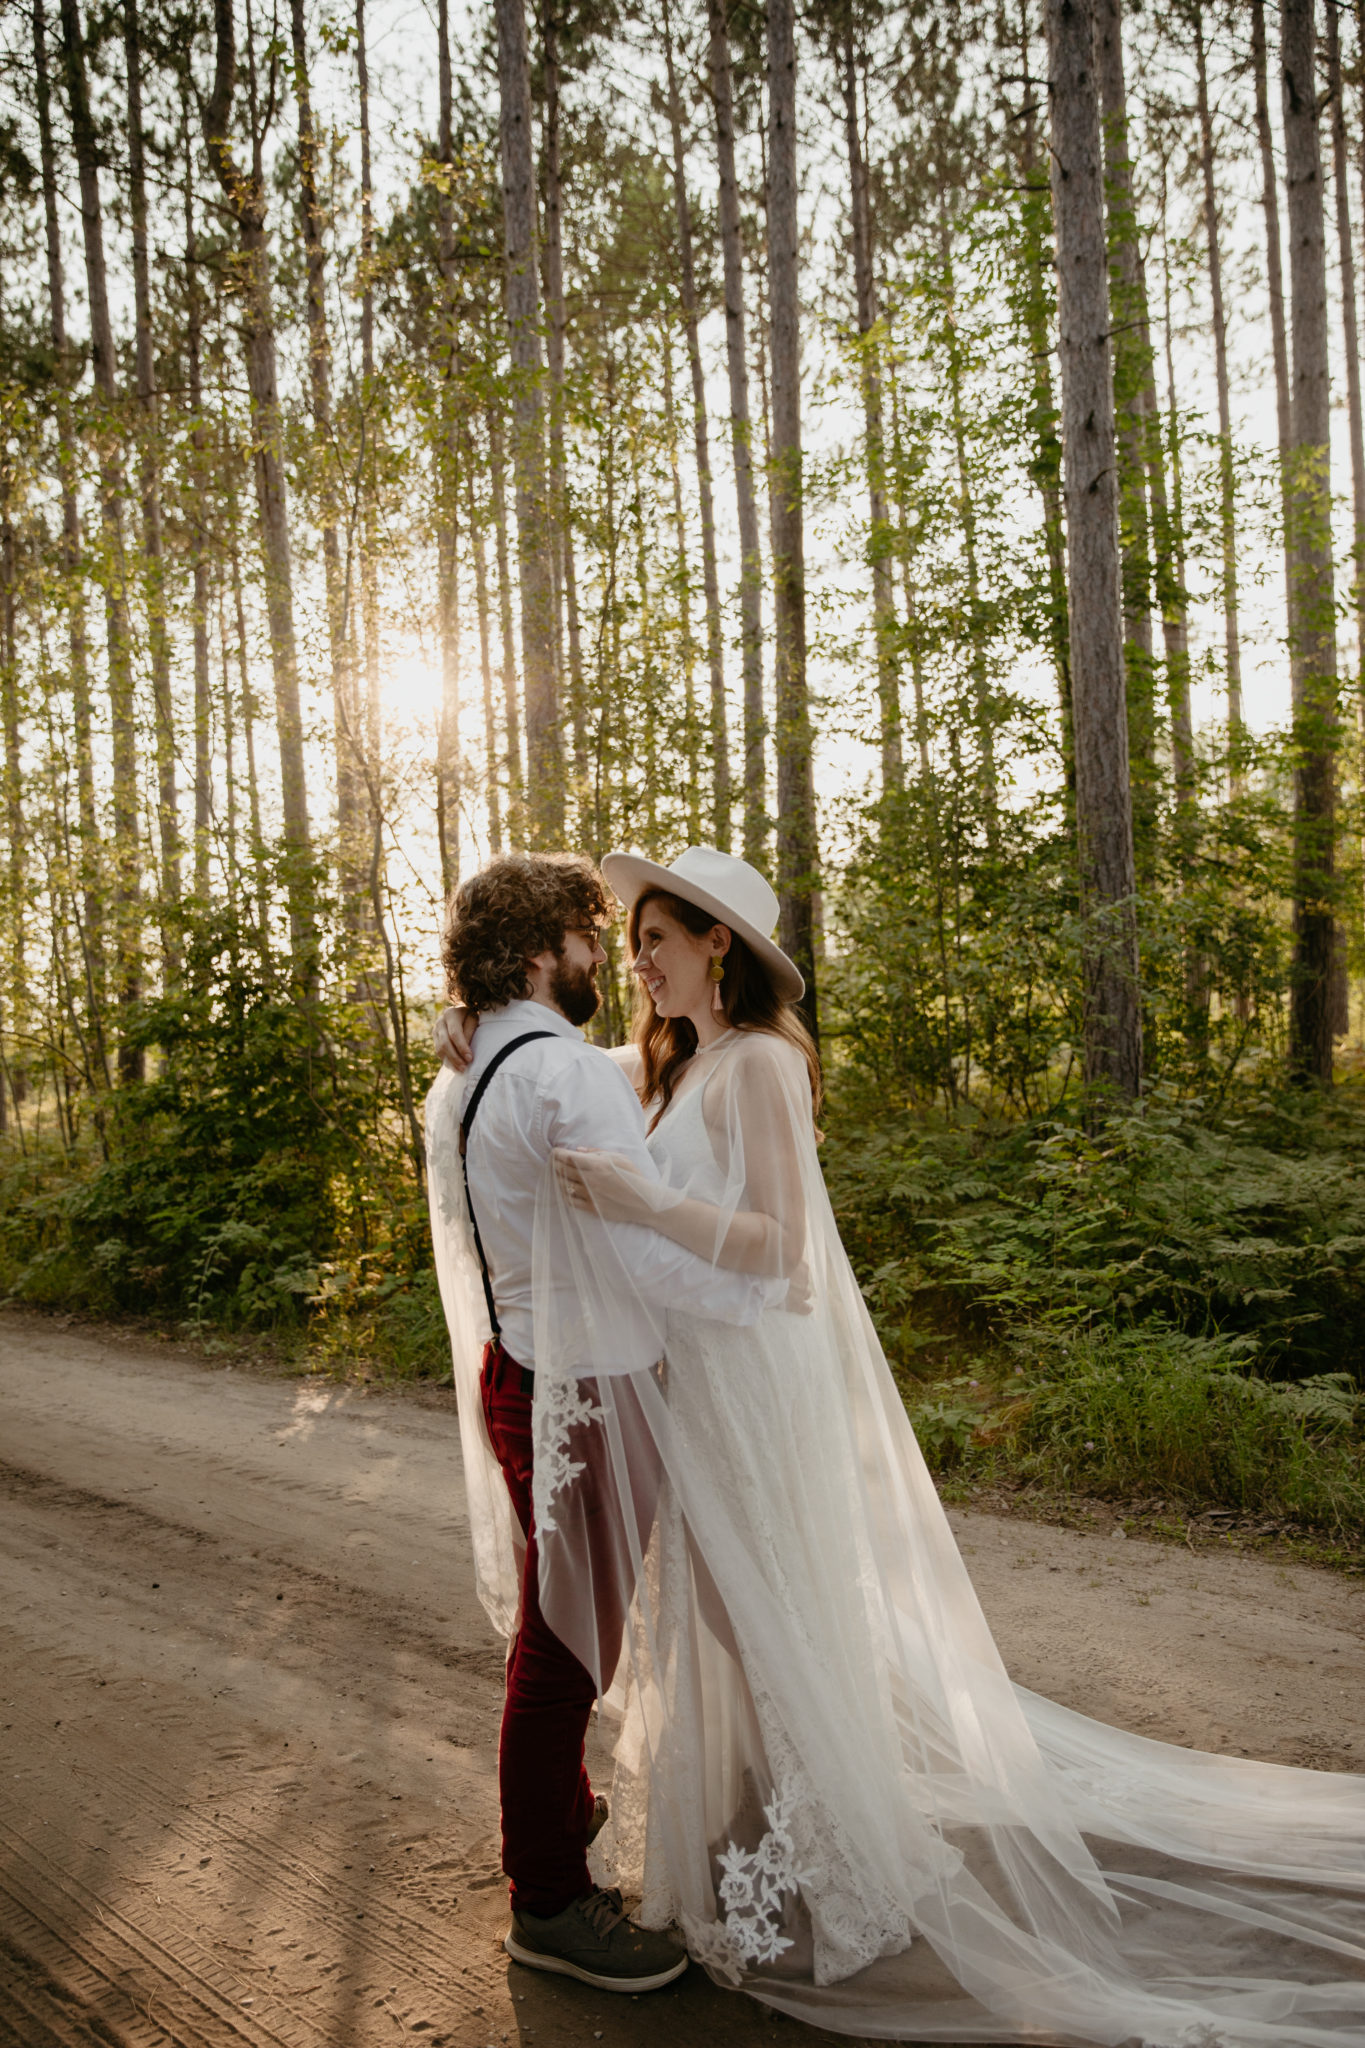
{"type": "Point", "coordinates": [717, 971]}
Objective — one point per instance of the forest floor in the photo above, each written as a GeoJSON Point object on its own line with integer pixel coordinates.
{"type": "Point", "coordinates": [249, 1708]}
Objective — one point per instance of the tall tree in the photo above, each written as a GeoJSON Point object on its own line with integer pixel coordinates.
{"type": "Point", "coordinates": [1104, 821]}
{"type": "Point", "coordinates": [561, 511]}
{"type": "Point", "coordinates": [1227, 496]}
{"type": "Point", "coordinates": [1270, 207]}
{"type": "Point", "coordinates": [1312, 621]}
{"type": "Point", "coordinates": [741, 439]}
{"type": "Point", "coordinates": [122, 714]}
{"type": "Point", "coordinates": [1349, 320]}
{"type": "Point", "coordinates": [874, 439]}
{"type": "Point", "coordinates": [798, 859]}
{"type": "Point", "coordinates": [1131, 353]}
{"type": "Point", "coordinates": [720, 736]}
{"type": "Point", "coordinates": [341, 645]}
{"type": "Point", "coordinates": [197, 526]}
{"type": "Point", "coordinates": [244, 190]}
{"type": "Point", "coordinates": [73, 595]}
{"type": "Point", "coordinates": [153, 542]}
{"type": "Point", "coordinates": [544, 765]}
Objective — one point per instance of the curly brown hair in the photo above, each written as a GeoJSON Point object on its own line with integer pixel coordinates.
{"type": "Point", "coordinates": [520, 905]}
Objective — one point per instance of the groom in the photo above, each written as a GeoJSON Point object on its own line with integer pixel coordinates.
{"type": "Point", "coordinates": [521, 951]}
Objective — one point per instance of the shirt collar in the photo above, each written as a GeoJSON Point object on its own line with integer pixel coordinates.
{"type": "Point", "coordinates": [526, 1015]}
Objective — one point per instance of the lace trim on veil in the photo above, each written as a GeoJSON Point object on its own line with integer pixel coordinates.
{"type": "Point", "coordinates": [560, 1407]}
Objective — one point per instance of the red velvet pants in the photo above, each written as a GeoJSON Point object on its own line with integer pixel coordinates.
{"type": "Point", "coordinates": [547, 1800]}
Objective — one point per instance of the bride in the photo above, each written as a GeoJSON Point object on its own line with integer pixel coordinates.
{"type": "Point", "coordinates": [823, 1773]}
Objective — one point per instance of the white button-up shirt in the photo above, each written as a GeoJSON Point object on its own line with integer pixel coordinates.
{"type": "Point", "coordinates": [561, 1091]}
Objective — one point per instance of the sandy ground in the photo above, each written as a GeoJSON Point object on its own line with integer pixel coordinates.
{"type": "Point", "coordinates": [249, 1709]}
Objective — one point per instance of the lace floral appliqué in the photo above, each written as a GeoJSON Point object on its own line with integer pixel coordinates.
{"type": "Point", "coordinates": [753, 1885]}
{"type": "Point", "coordinates": [560, 1407]}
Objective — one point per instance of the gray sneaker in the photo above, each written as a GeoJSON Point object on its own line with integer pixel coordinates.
{"type": "Point", "coordinates": [593, 1941]}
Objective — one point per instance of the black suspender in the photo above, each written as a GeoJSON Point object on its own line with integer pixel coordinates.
{"type": "Point", "coordinates": [503, 1052]}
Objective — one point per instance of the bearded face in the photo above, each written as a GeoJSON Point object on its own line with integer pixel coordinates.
{"type": "Point", "coordinates": [574, 989]}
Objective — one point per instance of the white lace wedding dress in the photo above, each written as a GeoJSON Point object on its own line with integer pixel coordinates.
{"type": "Point", "coordinates": [823, 1772]}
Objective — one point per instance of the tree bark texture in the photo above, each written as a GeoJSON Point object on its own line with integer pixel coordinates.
{"type": "Point", "coordinates": [1037, 266]}
{"type": "Point", "coordinates": [195, 524]}
{"type": "Point", "coordinates": [555, 338]}
{"type": "Point", "coordinates": [122, 712]}
{"type": "Point", "coordinates": [1312, 624]}
{"type": "Point", "coordinates": [879, 535]}
{"type": "Point", "coordinates": [245, 194]}
{"type": "Point", "coordinates": [544, 762]}
{"type": "Point", "coordinates": [715, 659]}
{"type": "Point", "coordinates": [1104, 824]}
{"type": "Point", "coordinates": [516, 782]}
{"type": "Point", "coordinates": [1274, 269]}
{"type": "Point", "coordinates": [1349, 320]}
{"type": "Point", "coordinates": [153, 538]}
{"type": "Point", "coordinates": [755, 833]}
{"type": "Point", "coordinates": [1227, 502]}
{"type": "Point", "coordinates": [1127, 308]}
{"type": "Point", "coordinates": [798, 857]}
{"type": "Point", "coordinates": [73, 595]}
{"type": "Point", "coordinates": [340, 642]}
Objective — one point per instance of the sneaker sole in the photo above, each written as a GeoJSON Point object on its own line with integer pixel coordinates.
{"type": "Point", "coordinates": [558, 1966]}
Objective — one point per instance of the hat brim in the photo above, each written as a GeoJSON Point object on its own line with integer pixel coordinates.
{"type": "Point", "coordinates": [631, 876]}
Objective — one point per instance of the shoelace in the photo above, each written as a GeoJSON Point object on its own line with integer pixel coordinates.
{"type": "Point", "coordinates": [603, 1910]}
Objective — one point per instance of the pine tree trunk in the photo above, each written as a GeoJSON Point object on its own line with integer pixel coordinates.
{"type": "Point", "coordinates": [122, 713]}
{"type": "Point", "coordinates": [153, 543]}
{"type": "Point", "coordinates": [976, 649]}
{"type": "Point", "coordinates": [203, 717]}
{"type": "Point", "coordinates": [1341, 989]}
{"type": "Point", "coordinates": [1128, 311]}
{"type": "Point", "coordinates": [721, 798]}
{"type": "Point", "coordinates": [15, 975]}
{"type": "Point", "coordinates": [73, 595]}
{"type": "Point", "coordinates": [245, 194]}
{"type": "Point", "coordinates": [884, 627]}
{"type": "Point", "coordinates": [345, 697]}
{"type": "Point", "coordinates": [516, 784]}
{"type": "Point", "coordinates": [448, 729]}
{"type": "Point", "coordinates": [544, 754]}
{"type": "Point", "coordinates": [1104, 825]}
{"type": "Point", "coordinates": [1169, 537]}
{"type": "Point", "coordinates": [1036, 257]}
{"type": "Point", "coordinates": [1350, 322]}
{"type": "Point", "coordinates": [1312, 626]}
{"type": "Point", "coordinates": [493, 796]}
{"type": "Point", "coordinates": [741, 443]}
{"type": "Point", "coordinates": [1226, 491]}
{"type": "Point", "coordinates": [556, 326]}
{"type": "Point", "coordinates": [1270, 205]}
{"type": "Point", "coordinates": [683, 583]}
{"type": "Point", "coordinates": [798, 858]}
{"type": "Point", "coordinates": [369, 763]}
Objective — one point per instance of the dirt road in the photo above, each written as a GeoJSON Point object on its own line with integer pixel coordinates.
{"type": "Point", "coordinates": [249, 1708]}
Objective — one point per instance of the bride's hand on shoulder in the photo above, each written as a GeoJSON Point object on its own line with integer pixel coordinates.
{"type": "Point", "coordinates": [604, 1182]}
{"type": "Point", "coordinates": [453, 1033]}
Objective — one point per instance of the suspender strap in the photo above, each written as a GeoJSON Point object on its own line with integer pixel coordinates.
{"type": "Point", "coordinates": [503, 1053]}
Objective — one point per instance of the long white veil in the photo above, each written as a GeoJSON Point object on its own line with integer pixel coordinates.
{"type": "Point", "coordinates": [823, 1772]}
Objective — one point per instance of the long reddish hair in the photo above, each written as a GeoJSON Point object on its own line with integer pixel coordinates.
{"type": "Point", "coordinates": [747, 995]}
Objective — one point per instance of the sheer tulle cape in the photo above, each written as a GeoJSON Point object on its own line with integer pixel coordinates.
{"type": "Point", "coordinates": [823, 1772]}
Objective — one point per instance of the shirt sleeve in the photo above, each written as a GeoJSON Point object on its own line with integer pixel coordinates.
{"type": "Point", "coordinates": [591, 1103]}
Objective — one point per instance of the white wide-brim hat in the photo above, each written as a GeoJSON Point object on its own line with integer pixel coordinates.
{"type": "Point", "coordinates": [732, 892]}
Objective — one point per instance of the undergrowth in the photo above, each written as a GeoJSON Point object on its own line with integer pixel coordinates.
{"type": "Point", "coordinates": [1174, 1302]}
